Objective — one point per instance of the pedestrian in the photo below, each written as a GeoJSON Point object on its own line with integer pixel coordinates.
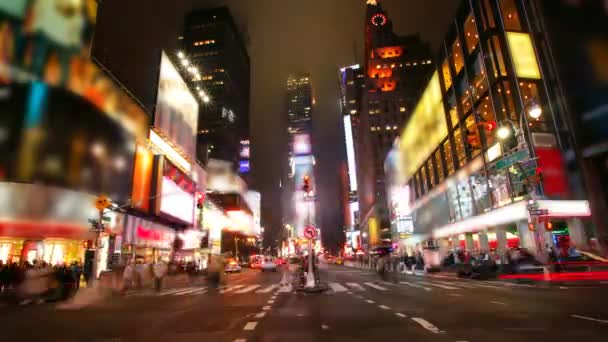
{"type": "Point", "coordinates": [127, 276]}
{"type": "Point", "coordinates": [76, 272]}
{"type": "Point", "coordinates": [159, 269]}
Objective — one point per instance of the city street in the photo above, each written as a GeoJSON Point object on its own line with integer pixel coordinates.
{"type": "Point", "coordinates": [357, 307]}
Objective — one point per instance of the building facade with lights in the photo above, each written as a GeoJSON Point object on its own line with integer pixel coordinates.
{"type": "Point", "coordinates": [395, 68]}
{"type": "Point", "coordinates": [482, 162]}
{"type": "Point", "coordinates": [212, 43]}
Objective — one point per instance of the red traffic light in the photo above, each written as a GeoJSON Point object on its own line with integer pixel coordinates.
{"type": "Point", "coordinates": [490, 125]}
{"type": "Point", "coordinates": [548, 226]}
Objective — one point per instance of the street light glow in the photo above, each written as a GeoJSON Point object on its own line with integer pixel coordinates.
{"type": "Point", "coordinates": [206, 99]}
{"type": "Point", "coordinates": [180, 55]}
{"type": "Point", "coordinates": [503, 132]}
{"type": "Point", "coordinates": [535, 111]}
{"type": "Point", "coordinates": [185, 62]}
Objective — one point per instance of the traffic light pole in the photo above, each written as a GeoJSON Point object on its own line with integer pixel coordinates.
{"type": "Point", "coordinates": [97, 246]}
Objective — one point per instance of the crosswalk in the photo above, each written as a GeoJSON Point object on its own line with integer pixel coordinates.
{"type": "Point", "coordinates": [426, 285]}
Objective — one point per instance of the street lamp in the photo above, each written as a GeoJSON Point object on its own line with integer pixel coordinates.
{"type": "Point", "coordinates": [532, 109]}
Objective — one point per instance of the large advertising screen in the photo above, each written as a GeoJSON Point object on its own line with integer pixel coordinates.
{"type": "Point", "coordinates": [301, 144]}
{"type": "Point", "coordinates": [176, 202]}
{"type": "Point", "coordinates": [176, 113]}
{"type": "Point", "coordinates": [425, 129]}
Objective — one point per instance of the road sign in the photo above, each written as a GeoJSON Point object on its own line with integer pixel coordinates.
{"type": "Point", "coordinates": [102, 202]}
{"type": "Point", "coordinates": [512, 159]}
{"type": "Point", "coordinates": [539, 212]}
{"type": "Point", "coordinates": [310, 232]}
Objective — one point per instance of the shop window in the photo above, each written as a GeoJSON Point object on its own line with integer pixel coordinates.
{"type": "Point", "coordinates": [449, 162]}
{"type": "Point", "coordinates": [506, 104]}
{"type": "Point", "coordinates": [470, 34]}
{"type": "Point", "coordinates": [499, 187]}
{"type": "Point", "coordinates": [465, 198]}
{"type": "Point", "coordinates": [481, 194]}
{"type": "Point", "coordinates": [454, 119]}
{"type": "Point", "coordinates": [453, 203]}
{"type": "Point", "coordinates": [472, 127]}
{"type": "Point", "coordinates": [510, 15]}
{"type": "Point", "coordinates": [530, 94]}
{"type": "Point", "coordinates": [465, 95]}
{"type": "Point", "coordinates": [458, 142]}
{"type": "Point", "coordinates": [457, 56]}
{"type": "Point", "coordinates": [423, 179]}
{"type": "Point", "coordinates": [447, 77]}
{"type": "Point", "coordinates": [485, 110]}
{"type": "Point", "coordinates": [488, 18]}
{"type": "Point", "coordinates": [439, 166]}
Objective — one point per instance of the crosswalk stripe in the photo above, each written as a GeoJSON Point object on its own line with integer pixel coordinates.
{"type": "Point", "coordinates": [337, 287]}
{"type": "Point", "coordinates": [415, 285]}
{"type": "Point", "coordinates": [231, 288]}
{"type": "Point", "coordinates": [174, 291]}
{"type": "Point", "coordinates": [377, 287]}
{"type": "Point", "coordinates": [356, 286]}
{"type": "Point", "coordinates": [453, 283]}
{"type": "Point", "coordinates": [445, 287]}
{"type": "Point", "coordinates": [187, 292]}
{"type": "Point", "coordinates": [247, 289]}
{"type": "Point", "coordinates": [267, 289]}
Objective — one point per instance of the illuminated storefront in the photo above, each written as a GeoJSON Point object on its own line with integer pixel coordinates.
{"type": "Point", "coordinates": [481, 148]}
{"type": "Point", "coordinates": [146, 240]}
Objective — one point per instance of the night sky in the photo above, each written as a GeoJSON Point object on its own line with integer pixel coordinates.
{"type": "Point", "coordinates": [282, 37]}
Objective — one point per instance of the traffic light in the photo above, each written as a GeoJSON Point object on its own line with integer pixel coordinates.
{"type": "Point", "coordinates": [548, 225]}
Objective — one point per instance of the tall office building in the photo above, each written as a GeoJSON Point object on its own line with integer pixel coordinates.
{"type": "Point", "coordinates": [396, 68]}
{"type": "Point", "coordinates": [213, 44]}
{"type": "Point", "coordinates": [299, 208]}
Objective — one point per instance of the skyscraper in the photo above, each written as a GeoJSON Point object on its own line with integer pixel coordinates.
{"type": "Point", "coordinates": [213, 44]}
{"type": "Point", "coordinates": [396, 68]}
{"type": "Point", "coordinates": [299, 205]}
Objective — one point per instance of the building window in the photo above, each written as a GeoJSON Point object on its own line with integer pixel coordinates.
{"type": "Point", "coordinates": [470, 34]}
{"type": "Point", "coordinates": [485, 109]}
{"type": "Point", "coordinates": [423, 179]}
{"type": "Point", "coordinates": [488, 18]}
{"type": "Point", "coordinates": [402, 109]}
{"type": "Point", "coordinates": [454, 119]}
{"type": "Point", "coordinates": [458, 142]}
{"type": "Point", "coordinates": [449, 162]}
{"type": "Point", "coordinates": [465, 95]}
{"type": "Point", "coordinates": [431, 170]}
{"type": "Point", "coordinates": [479, 80]}
{"type": "Point", "coordinates": [505, 102]}
{"type": "Point", "coordinates": [204, 42]}
{"type": "Point", "coordinates": [510, 15]}
{"type": "Point", "coordinates": [471, 126]}
{"type": "Point", "coordinates": [457, 56]}
{"type": "Point", "coordinates": [497, 58]}
{"type": "Point", "coordinates": [439, 165]}
{"type": "Point", "coordinates": [447, 77]}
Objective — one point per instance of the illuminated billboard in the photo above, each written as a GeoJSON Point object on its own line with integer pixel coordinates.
{"type": "Point", "coordinates": [176, 202]}
{"type": "Point", "coordinates": [142, 178]}
{"type": "Point", "coordinates": [176, 113]}
{"type": "Point", "coordinates": [350, 153]}
{"type": "Point", "coordinates": [524, 57]}
{"type": "Point", "coordinates": [244, 166]}
{"type": "Point", "coordinates": [301, 144]}
{"type": "Point", "coordinates": [425, 130]}
{"type": "Point", "coordinates": [245, 149]}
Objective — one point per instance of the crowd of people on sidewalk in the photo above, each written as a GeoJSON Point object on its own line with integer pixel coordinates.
{"type": "Point", "coordinates": [26, 282]}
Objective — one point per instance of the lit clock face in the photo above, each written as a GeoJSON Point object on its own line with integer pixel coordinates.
{"type": "Point", "coordinates": [379, 19]}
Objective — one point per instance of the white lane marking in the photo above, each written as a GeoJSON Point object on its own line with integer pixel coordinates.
{"type": "Point", "coordinates": [375, 286]}
{"type": "Point", "coordinates": [356, 286]}
{"type": "Point", "coordinates": [337, 287]}
{"type": "Point", "coordinates": [267, 289]}
{"type": "Point", "coordinates": [400, 315]}
{"type": "Point", "coordinates": [187, 292]}
{"type": "Point", "coordinates": [456, 294]}
{"type": "Point", "coordinates": [384, 307]}
{"type": "Point", "coordinates": [271, 301]}
{"type": "Point", "coordinates": [497, 302]}
{"type": "Point", "coordinates": [349, 292]}
{"type": "Point", "coordinates": [250, 325]}
{"type": "Point", "coordinates": [370, 301]}
{"type": "Point", "coordinates": [261, 314]}
{"type": "Point", "coordinates": [563, 288]}
{"type": "Point", "coordinates": [590, 318]}
{"type": "Point", "coordinates": [324, 327]}
{"type": "Point", "coordinates": [240, 340]}
{"type": "Point", "coordinates": [445, 287]}
{"type": "Point", "coordinates": [488, 286]}
{"type": "Point", "coordinates": [415, 285]}
{"type": "Point", "coordinates": [426, 324]}
{"type": "Point", "coordinates": [266, 308]}
{"type": "Point", "coordinates": [168, 292]}
{"type": "Point", "coordinates": [247, 289]}
{"type": "Point", "coordinates": [453, 283]}
{"type": "Point", "coordinates": [200, 291]}
{"type": "Point", "coordinates": [231, 288]}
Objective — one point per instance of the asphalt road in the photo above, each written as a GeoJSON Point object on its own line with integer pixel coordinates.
{"type": "Point", "coordinates": [357, 307]}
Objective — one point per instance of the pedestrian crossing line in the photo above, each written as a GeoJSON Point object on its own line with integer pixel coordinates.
{"type": "Point", "coordinates": [337, 287]}
{"type": "Point", "coordinates": [356, 286]}
{"type": "Point", "coordinates": [267, 289]}
{"type": "Point", "coordinates": [415, 285]}
{"type": "Point", "coordinates": [247, 289]}
{"type": "Point", "coordinates": [445, 287]}
{"type": "Point", "coordinates": [175, 291]}
{"type": "Point", "coordinates": [453, 283]}
{"type": "Point", "coordinates": [230, 288]}
{"type": "Point", "coordinates": [192, 291]}
{"type": "Point", "coordinates": [375, 286]}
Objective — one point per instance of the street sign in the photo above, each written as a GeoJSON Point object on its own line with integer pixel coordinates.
{"type": "Point", "coordinates": [539, 212]}
{"type": "Point", "coordinates": [102, 202]}
{"type": "Point", "coordinates": [310, 232]}
{"type": "Point", "coordinates": [512, 159]}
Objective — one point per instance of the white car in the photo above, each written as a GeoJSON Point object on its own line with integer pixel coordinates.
{"type": "Point", "coordinates": [268, 265]}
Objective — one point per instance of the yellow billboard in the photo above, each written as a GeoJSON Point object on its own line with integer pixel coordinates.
{"type": "Point", "coordinates": [425, 130]}
{"type": "Point", "coordinates": [524, 57]}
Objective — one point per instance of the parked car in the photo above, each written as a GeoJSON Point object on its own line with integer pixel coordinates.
{"type": "Point", "coordinates": [268, 265]}
{"type": "Point", "coordinates": [280, 261]}
{"type": "Point", "coordinates": [232, 267]}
